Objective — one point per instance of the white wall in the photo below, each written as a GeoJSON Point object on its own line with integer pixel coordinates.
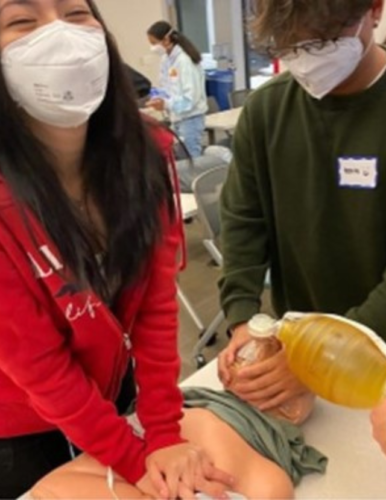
{"type": "Point", "coordinates": [129, 20]}
{"type": "Point", "coordinates": [222, 10]}
{"type": "Point", "coordinates": [238, 44]}
{"type": "Point", "coordinates": [228, 28]}
{"type": "Point", "coordinates": [380, 32]}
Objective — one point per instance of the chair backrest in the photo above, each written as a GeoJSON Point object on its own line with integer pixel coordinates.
{"type": "Point", "coordinates": [237, 98]}
{"type": "Point", "coordinates": [213, 106]}
{"type": "Point", "coordinates": [207, 189]}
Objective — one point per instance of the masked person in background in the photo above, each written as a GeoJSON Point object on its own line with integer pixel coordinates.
{"type": "Point", "coordinates": [306, 190]}
{"type": "Point", "coordinates": [182, 84]}
{"type": "Point", "coordinates": [88, 244]}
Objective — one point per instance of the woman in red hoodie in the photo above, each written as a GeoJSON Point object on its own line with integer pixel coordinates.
{"type": "Point", "coordinates": [88, 243]}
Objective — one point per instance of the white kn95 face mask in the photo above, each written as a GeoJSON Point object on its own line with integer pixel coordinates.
{"type": "Point", "coordinates": [319, 72]}
{"type": "Point", "coordinates": [58, 73]}
{"type": "Point", "coordinates": [158, 49]}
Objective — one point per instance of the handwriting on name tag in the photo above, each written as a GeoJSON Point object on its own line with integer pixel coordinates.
{"type": "Point", "coordinates": [358, 172]}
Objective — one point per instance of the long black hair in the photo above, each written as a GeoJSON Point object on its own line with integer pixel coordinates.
{"type": "Point", "coordinates": [123, 172]}
{"type": "Point", "coordinates": [161, 29]}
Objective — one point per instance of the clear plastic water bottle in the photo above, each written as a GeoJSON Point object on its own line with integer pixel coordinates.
{"type": "Point", "coordinates": [338, 359]}
{"type": "Point", "coordinates": [263, 345]}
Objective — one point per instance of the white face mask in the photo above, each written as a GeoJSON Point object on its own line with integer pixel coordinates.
{"type": "Point", "coordinates": [158, 49]}
{"type": "Point", "coordinates": [58, 73]}
{"type": "Point", "coordinates": [320, 70]}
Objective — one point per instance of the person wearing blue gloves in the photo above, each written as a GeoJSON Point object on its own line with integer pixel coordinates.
{"type": "Point", "coordinates": [182, 84]}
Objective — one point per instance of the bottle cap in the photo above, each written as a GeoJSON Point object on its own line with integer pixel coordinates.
{"type": "Point", "coordinates": [261, 325]}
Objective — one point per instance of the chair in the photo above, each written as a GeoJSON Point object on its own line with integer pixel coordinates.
{"type": "Point", "coordinates": [213, 106]}
{"type": "Point", "coordinates": [189, 210]}
{"type": "Point", "coordinates": [206, 189]}
{"type": "Point", "coordinates": [237, 98]}
{"type": "Point", "coordinates": [189, 169]}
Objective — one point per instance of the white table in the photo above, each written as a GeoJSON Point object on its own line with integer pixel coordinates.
{"type": "Point", "coordinates": [224, 121]}
{"type": "Point", "coordinates": [356, 468]}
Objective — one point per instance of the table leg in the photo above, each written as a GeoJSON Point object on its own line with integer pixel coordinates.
{"type": "Point", "coordinates": [211, 136]}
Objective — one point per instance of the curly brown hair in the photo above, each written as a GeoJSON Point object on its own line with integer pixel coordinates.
{"type": "Point", "coordinates": [278, 23]}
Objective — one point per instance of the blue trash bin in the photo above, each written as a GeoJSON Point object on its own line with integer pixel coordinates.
{"type": "Point", "coordinates": [219, 84]}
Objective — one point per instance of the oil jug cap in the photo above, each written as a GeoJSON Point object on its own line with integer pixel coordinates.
{"type": "Point", "coordinates": [261, 325]}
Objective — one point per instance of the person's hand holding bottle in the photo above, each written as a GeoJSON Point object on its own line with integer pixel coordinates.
{"type": "Point", "coordinates": [266, 384]}
{"type": "Point", "coordinates": [378, 421]}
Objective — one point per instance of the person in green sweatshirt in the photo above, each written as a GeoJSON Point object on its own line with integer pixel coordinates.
{"type": "Point", "coordinates": [306, 192]}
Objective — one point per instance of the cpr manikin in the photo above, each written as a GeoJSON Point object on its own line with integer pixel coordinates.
{"type": "Point", "coordinates": [85, 478]}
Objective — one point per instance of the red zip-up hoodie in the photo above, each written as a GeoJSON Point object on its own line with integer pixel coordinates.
{"type": "Point", "coordinates": [62, 358]}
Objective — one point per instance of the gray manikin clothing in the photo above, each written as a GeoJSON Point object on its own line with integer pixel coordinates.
{"type": "Point", "coordinates": [279, 441]}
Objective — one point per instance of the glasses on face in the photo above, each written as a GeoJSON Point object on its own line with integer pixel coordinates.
{"type": "Point", "coordinates": [312, 47]}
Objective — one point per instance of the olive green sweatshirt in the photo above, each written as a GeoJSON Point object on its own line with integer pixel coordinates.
{"type": "Point", "coordinates": [306, 198]}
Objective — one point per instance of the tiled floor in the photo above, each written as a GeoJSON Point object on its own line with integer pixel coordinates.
{"type": "Point", "coordinates": [199, 283]}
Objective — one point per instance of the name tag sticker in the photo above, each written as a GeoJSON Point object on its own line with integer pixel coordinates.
{"type": "Point", "coordinates": [358, 172]}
